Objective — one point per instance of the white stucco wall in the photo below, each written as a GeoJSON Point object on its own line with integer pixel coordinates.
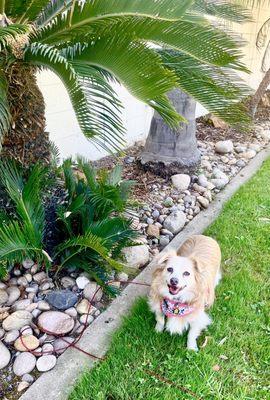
{"type": "Point", "coordinates": [61, 120]}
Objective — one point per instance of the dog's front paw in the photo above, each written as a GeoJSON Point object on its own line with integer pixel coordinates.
{"type": "Point", "coordinates": [192, 346]}
{"type": "Point", "coordinates": [159, 327]}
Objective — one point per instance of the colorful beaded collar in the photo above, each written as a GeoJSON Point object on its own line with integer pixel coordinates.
{"type": "Point", "coordinates": [174, 308]}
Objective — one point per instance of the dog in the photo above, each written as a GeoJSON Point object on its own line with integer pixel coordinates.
{"type": "Point", "coordinates": [183, 287]}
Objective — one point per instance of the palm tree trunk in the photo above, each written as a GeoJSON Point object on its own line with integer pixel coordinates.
{"type": "Point", "coordinates": [255, 100]}
{"type": "Point", "coordinates": [26, 141]}
{"type": "Point", "coordinates": [170, 151]}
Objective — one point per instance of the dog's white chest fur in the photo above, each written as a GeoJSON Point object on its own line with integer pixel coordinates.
{"type": "Point", "coordinates": [176, 325]}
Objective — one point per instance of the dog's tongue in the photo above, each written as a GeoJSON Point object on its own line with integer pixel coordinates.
{"type": "Point", "coordinates": [173, 289]}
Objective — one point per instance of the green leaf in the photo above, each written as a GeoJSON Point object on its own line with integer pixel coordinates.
{"type": "Point", "coordinates": [95, 118]}
{"type": "Point", "coordinates": [137, 67]}
{"type": "Point", "coordinates": [219, 90]}
{"type": "Point", "coordinates": [222, 9]}
{"type": "Point", "coordinates": [88, 242]}
{"type": "Point", "coordinates": [27, 199]}
{"type": "Point", "coordinates": [15, 245]}
{"type": "Point", "coordinates": [11, 32]}
{"type": "Point", "coordinates": [89, 172]}
{"type": "Point", "coordinates": [70, 179]}
{"type": "Point", "coordinates": [52, 9]}
{"type": "Point", "coordinates": [115, 175]}
{"type": "Point", "coordinates": [31, 9]}
{"type": "Point", "coordinates": [82, 16]}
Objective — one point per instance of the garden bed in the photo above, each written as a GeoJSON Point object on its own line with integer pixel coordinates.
{"type": "Point", "coordinates": [233, 356]}
{"type": "Point", "coordinates": [33, 293]}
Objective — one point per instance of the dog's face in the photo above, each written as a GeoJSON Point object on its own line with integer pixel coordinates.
{"type": "Point", "coordinates": [178, 278]}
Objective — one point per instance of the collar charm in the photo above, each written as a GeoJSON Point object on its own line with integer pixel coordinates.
{"type": "Point", "coordinates": [174, 308]}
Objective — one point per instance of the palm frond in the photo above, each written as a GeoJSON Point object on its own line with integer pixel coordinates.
{"type": "Point", "coordinates": [55, 155]}
{"type": "Point", "coordinates": [15, 245]}
{"type": "Point", "coordinates": [70, 179]}
{"type": "Point", "coordinates": [52, 9]}
{"type": "Point", "coordinates": [206, 43]}
{"type": "Point", "coordinates": [89, 172]}
{"type": "Point", "coordinates": [137, 67]}
{"type": "Point", "coordinates": [83, 15]}
{"type": "Point", "coordinates": [88, 242]}
{"type": "Point", "coordinates": [219, 90]}
{"type": "Point", "coordinates": [167, 9]}
{"type": "Point", "coordinates": [98, 122]}
{"type": "Point", "coordinates": [11, 32]}
{"type": "Point", "coordinates": [5, 116]}
{"type": "Point", "coordinates": [26, 197]}
{"type": "Point", "coordinates": [222, 9]}
{"type": "Point", "coordinates": [14, 8]}
{"type": "Point", "coordinates": [29, 10]}
{"type": "Point", "coordinates": [263, 34]}
{"type": "Point", "coordinates": [113, 230]}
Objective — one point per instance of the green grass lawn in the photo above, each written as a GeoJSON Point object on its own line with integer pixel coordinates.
{"type": "Point", "coordinates": [236, 368]}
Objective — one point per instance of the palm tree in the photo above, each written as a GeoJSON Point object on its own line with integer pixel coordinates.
{"type": "Point", "coordinates": [172, 150]}
{"type": "Point", "coordinates": [91, 43]}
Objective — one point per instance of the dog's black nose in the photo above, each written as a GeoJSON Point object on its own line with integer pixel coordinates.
{"type": "Point", "coordinates": [174, 281]}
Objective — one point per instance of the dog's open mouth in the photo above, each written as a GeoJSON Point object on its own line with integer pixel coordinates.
{"type": "Point", "coordinates": [175, 289]}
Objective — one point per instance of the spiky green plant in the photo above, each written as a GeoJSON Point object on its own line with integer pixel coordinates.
{"type": "Point", "coordinates": [21, 236]}
{"type": "Point", "coordinates": [92, 227]}
{"type": "Point", "coordinates": [92, 223]}
{"type": "Point", "coordinates": [91, 43]}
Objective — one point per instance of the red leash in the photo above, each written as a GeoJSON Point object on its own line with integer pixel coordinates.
{"type": "Point", "coordinates": [74, 343]}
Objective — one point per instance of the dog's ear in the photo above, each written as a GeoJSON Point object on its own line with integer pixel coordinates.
{"type": "Point", "coordinates": [196, 264]}
{"type": "Point", "coordinates": [163, 257]}
{"type": "Point", "coordinates": [206, 287]}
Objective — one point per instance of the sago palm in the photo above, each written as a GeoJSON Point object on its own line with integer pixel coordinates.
{"type": "Point", "coordinates": [90, 43]}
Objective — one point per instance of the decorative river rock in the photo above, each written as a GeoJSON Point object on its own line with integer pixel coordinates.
{"type": "Point", "coordinates": [62, 299]}
{"type": "Point", "coordinates": [55, 322]}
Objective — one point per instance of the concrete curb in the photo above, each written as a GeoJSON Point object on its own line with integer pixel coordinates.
{"type": "Point", "coordinates": [56, 384]}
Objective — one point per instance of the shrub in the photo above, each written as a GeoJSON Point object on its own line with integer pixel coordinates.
{"type": "Point", "coordinates": [91, 222]}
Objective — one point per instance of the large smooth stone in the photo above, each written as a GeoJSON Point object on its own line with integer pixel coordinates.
{"type": "Point", "coordinates": [17, 320]}
{"type": "Point", "coordinates": [46, 363]}
{"type": "Point", "coordinates": [4, 356]}
{"type": "Point", "coordinates": [21, 304]}
{"type": "Point", "coordinates": [13, 294]}
{"type": "Point", "coordinates": [24, 364]}
{"type": "Point", "coordinates": [62, 299]}
{"type": "Point", "coordinates": [175, 222]}
{"type": "Point", "coordinates": [60, 345]}
{"type": "Point", "coordinates": [84, 307]}
{"type": "Point", "coordinates": [224, 146]}
{"type": "Point", "coordinates": [136, 256]}
{"type": "Point", "coordinates": [26, 343]}
{"type": "Point", "coordinates": [3, 296]}
{"type": "Point", "coordinates": [55, 322]}
{"type": "Point", "coordinates": [82, 281]}
{"type": "Point", "coordinates": [11, 336]}
{"type": "Point", "coordinates": [181, 181]}
{"type": "Point", "coordinates": [92, 293]}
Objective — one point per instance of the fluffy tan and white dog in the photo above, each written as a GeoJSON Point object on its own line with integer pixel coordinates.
{"type": "Point", "coordinates": [183, 287]}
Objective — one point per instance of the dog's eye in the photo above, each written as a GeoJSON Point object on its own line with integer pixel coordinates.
{"type": "Point", "coordinates": [170, 269]}
{"type": "Point", "coordinates": [186, 273]}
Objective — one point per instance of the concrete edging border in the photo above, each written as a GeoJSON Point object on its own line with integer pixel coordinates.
{"type": "Point", "coordinates": [57, 383]}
